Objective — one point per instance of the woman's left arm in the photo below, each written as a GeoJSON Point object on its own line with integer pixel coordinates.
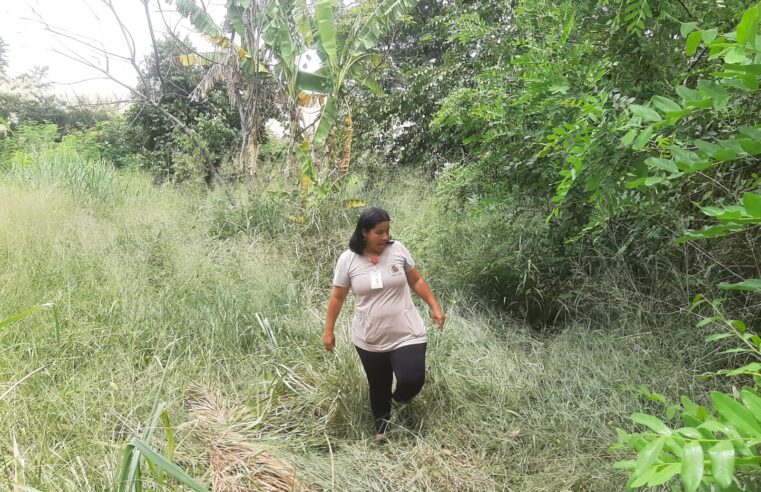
{"type": "Point", "coordinates": [421, 288]}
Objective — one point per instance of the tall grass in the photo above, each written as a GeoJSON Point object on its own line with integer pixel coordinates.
{"type": "Point", "coordinates": [168, 294]}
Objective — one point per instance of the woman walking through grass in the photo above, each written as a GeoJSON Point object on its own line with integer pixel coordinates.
{"type": "Point", "coordinates": [387, 330]}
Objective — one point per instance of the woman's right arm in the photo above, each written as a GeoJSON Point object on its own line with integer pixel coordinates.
{"type": "Point", "coordinates": [336, 301]}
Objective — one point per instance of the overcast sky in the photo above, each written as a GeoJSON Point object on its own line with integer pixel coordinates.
{"type": "Point", "coordinates": [30, 45]}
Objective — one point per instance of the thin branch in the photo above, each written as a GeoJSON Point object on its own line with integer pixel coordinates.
{"type": "Point", "coordinates": [80, 81]}
{"type": "Point", "coordinates": [685, 8]}
{"type": "Point", "coordinates": [155, 46]}
{"type": "Point", "coordinates": [695, 62]}
{"type": "Point", "coordinates": [80, 59]}
{"type": "Point", "coordinates": [128, 39]}
{"type": "Point", "coordinates": [189, 49]}
{"type": "Point", "coordinates": [142, 98]}
{"type": "Point", "coordinates": [134, 120]}
{"type": "Point", "coordinates": [62, 33]}
{"type": "Point", "coordinates": [101, 104]}
{"type": "Point", "coordinates": [702, 53]}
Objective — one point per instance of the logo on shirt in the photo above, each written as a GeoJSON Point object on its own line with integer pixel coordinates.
{"type": "Point", "coordinates": [394, 270]}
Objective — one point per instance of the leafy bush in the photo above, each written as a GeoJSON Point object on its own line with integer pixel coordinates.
{"type": "Point", "coordinates": [719, 446]}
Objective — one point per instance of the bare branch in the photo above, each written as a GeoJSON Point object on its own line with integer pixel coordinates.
{"type": "Point", "coordinates": [128, 39]}
{"type": "Point", "coordinates": [84, 61]}
{"type": "Point", "coordinates": [155, 46]}
{"type": "Point", "coordinates": [80, 81]}
{"type": "Point", "coordinates": [144, 99]}
{"type": "Point", "coordinates": [64, 34]}
{"type": "Point", "coordinates": [101, 104]}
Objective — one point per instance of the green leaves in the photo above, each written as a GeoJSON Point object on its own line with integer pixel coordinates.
{"type": "Point", "coordinates": [156, 462]}
{"type": "Point", "coordinates": [627, 139]}
{"type": "Point", "coordinates": [665, 104]}
{"type": "Point", "coordinates": [709, 35]}
{"type": "Point", "coordinates": [644, 113]}
{"type": "Point", "coordinates": [326, 27]}
{"type": "Point", "coordinates": [748, 27]}
{"type": "Point", "coordinates": [687, 28]}
{"type": "Point", "coordinates": [663, 475]}
{"type": "Point", "coordinates": [313, 83]}
{"type": "Point", "coordinates": [23, 314]}
{"type": "Point", "coordinates": [752, 402]}
{"type": "Point", "coordinates": [387, 13]}
{"type": "Point", "coordinates": [636, 13]}
{"type": "Point", "coordinates": [736, 414]}
{"type": "Point", "coordinates": [732, 218]}
{"type": "Point", "coordinates": [752, 204]}
{"type": "Point", "coordinates": [327, 122]}
{"type": "Point", "coordinates": [713, 445]}
{"type": "Point", "coordinates": [694, 452]}
{"type": "Point", "coordinates": [277, 36]}
{"type": "Point", "coordinates": [752, 284]}
{"type": "Point", "coordinates": [200, 19]}
{"type": "Point", "coordinates": [301, 18]}
{"type": "Point", "coordinates": [662, 164]}
{"type": "Point", "coordinates": [693, 41]}
{"type": "Point", "coordinates": [722, 457]}
{"type": "Point", "coordinates": [652, 422]}
{"type": "Point", "coordinates": [643, 138]}
{"type": "Point", "coordinates": [692, 466]}
{"type": "Point", "coordinates": [648, 456]}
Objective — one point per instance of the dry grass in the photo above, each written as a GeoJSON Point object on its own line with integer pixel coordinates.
{"type": "Point", "coordinates": [236, 462]}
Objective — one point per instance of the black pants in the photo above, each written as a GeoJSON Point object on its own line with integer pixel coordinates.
{"type": "Point", "coordinates": [407, 364]}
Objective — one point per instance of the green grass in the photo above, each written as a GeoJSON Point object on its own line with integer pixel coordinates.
{"type": "Point", "coordinates": [216, 291]}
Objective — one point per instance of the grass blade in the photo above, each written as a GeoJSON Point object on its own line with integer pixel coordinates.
{"type": "Point", "coordinates": [122, 479]}
{"type": "Point", "coordinates": [169, 467]}
{"type": "Point", "coordinates": [16, 317]}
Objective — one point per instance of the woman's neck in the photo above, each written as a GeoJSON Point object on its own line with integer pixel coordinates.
{"type": "Point", "coordinates": [371, 254]}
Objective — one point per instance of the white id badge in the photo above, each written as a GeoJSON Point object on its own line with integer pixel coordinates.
{"type": "Point", "coordinates": [376, 282]}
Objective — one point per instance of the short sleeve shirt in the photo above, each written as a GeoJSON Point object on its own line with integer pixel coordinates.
{"type": "Point", "coordinates": [385, 317]}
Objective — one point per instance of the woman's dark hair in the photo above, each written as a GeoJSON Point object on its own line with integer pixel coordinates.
{"type": "Point", "coordinates": [368, 219]}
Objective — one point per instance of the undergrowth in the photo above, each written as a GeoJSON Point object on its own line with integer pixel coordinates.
{"type": "Point", "coordinates": [162, 293]}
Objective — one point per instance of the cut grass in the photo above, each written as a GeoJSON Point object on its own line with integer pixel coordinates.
{"type": "Point", "coordinates": [148, 294]}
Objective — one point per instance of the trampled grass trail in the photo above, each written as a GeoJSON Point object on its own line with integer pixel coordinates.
{"type": "Point", "coordinates": [210, 304]}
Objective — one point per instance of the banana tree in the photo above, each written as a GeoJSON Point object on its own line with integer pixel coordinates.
{"type": "Point", "coordinates": [240, 65]}
{"type": "Point", "coordinates": [272, 45]}
{"type": "Point", "coordinates": [272, 34]}
{"type": "Point", "coordinates": [350, 60]}
{"type": "Point", "coordinates": [288, 37]}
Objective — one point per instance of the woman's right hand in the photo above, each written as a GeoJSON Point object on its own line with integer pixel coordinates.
{"type": "Point", "coordinates": [335, 302]}
{"type": "Point", "coordinates": [329, 340]}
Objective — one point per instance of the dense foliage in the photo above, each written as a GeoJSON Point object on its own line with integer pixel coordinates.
{"type": "Point", "coordinates": [163, 149]}
{"type": "Point", "coordinates": [522, 109]}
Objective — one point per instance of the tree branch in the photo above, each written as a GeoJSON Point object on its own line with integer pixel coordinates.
{"type": "Point", "coordinates": [144, 99]}
{"type": "Point", "coordinates": [155, 46]}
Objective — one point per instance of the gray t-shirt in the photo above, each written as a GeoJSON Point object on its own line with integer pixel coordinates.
{"type": "Point", "coordinates": [385, 318]}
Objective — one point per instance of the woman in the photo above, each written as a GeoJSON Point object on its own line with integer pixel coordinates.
{"type": "Point", "coordinates": [387, 329]}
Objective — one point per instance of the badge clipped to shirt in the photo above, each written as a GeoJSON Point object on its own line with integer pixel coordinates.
{"type": "Point", "coordinates": [376, 282]}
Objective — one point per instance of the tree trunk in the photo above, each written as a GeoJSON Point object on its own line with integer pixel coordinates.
{"type": "Point", "coordinates": [293, 122]}
{"type": "Point", "coordinates": [249, 153]}
{"type": "Point", "coordinates": [327, 155]}
{"type": "Point", "coordinates": [346, 159]}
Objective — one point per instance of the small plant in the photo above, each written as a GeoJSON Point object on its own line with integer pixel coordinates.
{"type": "Point", "coordinates": [129, 477]}
{"type": "Point", "coordinates": [716, 446]}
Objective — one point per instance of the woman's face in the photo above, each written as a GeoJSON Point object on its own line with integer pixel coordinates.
{"type": "Point", "coordinates": [377, 237]}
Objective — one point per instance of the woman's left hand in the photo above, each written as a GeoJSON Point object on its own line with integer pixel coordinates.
{"type": "Point", "coordinates": [437, 316]}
